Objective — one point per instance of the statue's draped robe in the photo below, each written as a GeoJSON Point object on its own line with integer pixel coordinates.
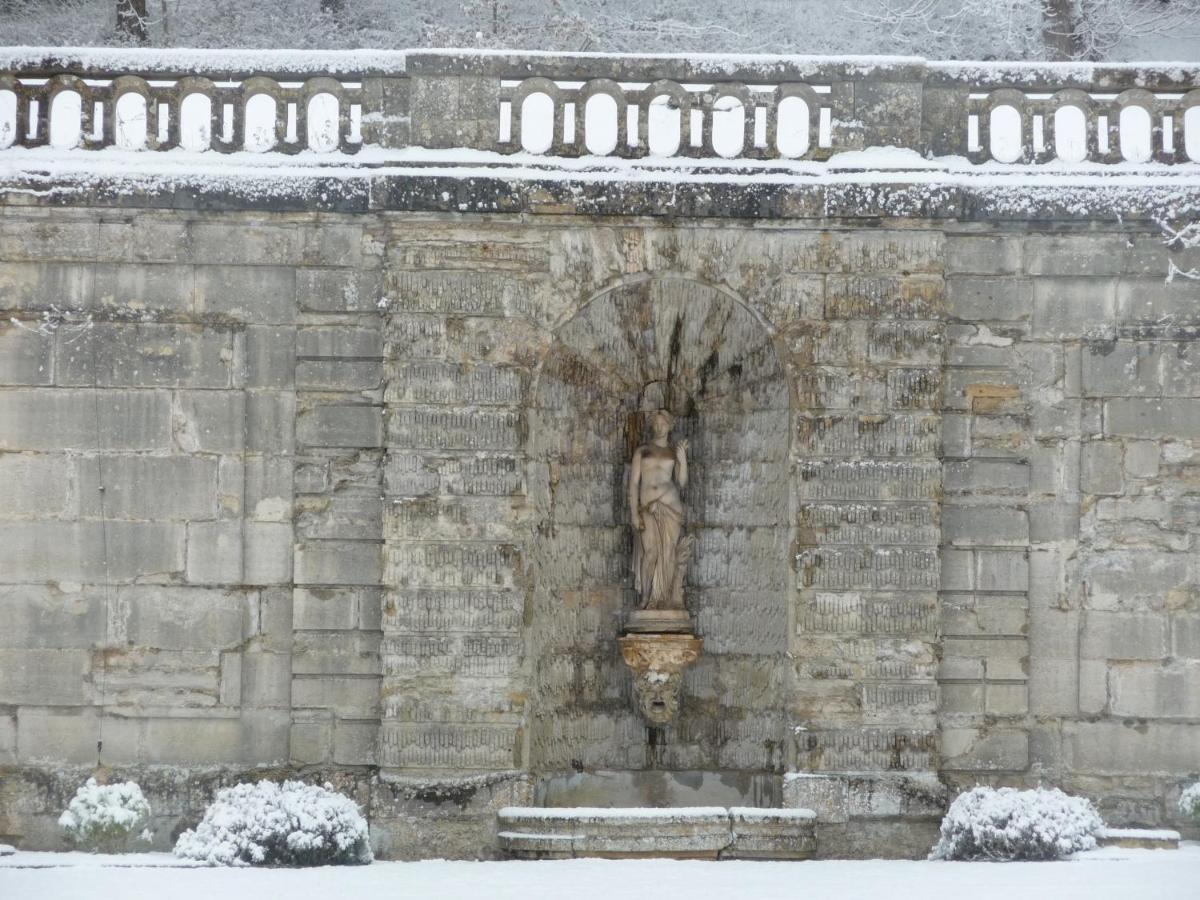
{"type": "Point", "coordinates": [656, 557]}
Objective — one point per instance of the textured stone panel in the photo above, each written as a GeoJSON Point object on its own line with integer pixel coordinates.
{"type": "Point", "coordinates": [448, 746]}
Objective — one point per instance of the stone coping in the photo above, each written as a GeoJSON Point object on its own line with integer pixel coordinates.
{"type": "Point", "coordinates": [510, 63]}
{"type": "Point", "coordinates": [697, 832]}
{"type": "Point", "coordinates": [470, 192]}
{"type": "Point", "coordinates": [1139, 838]}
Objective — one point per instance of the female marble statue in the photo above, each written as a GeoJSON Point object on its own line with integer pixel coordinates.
{"type": "Point", "coordinates": [660, 551]}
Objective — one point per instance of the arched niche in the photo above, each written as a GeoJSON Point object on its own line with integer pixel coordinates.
{"type": "Point", "coordinates": [704, 355]}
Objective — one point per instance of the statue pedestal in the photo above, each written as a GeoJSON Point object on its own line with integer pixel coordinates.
{"type": "Point", "coordinates": [658, 662]}
{"type": "Point", "coordinates": [659, 621]}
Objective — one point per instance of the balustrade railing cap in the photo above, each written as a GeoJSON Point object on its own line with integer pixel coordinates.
{"type": "Point", "coordinates": [675, 66]}
{"type": "Point", "coordinates": [217, 63]}
{"type": "Point", "coordinates": [1053, 76]}
{"type": "Point", "coordinates": [295, 64]}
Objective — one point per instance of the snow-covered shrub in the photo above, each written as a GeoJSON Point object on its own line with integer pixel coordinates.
{"type": "Point", "coordinates": [1004, 824]}
{"type": "Point", "coordinates": [268, 824]}
{"type": "Point", "coordinates": [106, 817]}
{"type": "Point", "coordinates": [1189, 802]}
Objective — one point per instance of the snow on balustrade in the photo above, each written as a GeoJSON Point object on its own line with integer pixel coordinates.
{"type": "Point", "coordinates": [597, 106]}
{"type": "Point", "coordinates": [130, 111]}
{"type": "Point", "coordinates": [1073, 125]}
{"type": "Point", "coordinates": [602, 117]}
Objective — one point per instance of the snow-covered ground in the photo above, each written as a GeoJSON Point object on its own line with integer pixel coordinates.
{"type": "Point", "coordinates": [1098, 875]}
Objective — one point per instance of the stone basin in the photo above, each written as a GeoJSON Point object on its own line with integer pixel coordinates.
{"type": "Point", "coordinates": [696, 832]}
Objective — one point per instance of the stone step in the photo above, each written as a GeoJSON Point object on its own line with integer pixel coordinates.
{"type": "Point", "coordinates": [1139, 838]}
{"type": "Point", "coordinates": [697, 832]}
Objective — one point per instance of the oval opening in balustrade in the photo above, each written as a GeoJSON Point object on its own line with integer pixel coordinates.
{"type": "Point", "coordinates": [195, 122]}
{"type": "Point", "coordinates": [791, 127]}
{"type": "Point", "coordinates": [1135, 134]}
{"type": "Point", "coordinates": [728, 127]}
{"type": "Point", "coordinates": [322, 125]}
{"type": "Point", "coordinates": [1070, 134]}
{"type": "Point", "coordinates": [1005, 126]}
{"type": "Point", "coordinates": [66, 120]}
{"type": "Point", "coordinates": [1191, 133]}
{"type": "Point", "coordinates": [600, 125]}
{"type": "Point", "coordinates": [8, 118]}
{"type": "Point", "coordinates": [259, 126]}
{"type": "Point", "coordinates": [130, 125]}
{"type": "Point", "coordinates": [663, 126]}
{"type": "Point", "coordinates": [537, 123]}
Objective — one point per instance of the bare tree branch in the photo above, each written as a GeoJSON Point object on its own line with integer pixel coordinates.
{"type": "Point", "coordinates": [131, 20]}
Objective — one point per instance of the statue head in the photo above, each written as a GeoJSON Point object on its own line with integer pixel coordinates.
{"type": "Point", "coordinates": [660, 423]}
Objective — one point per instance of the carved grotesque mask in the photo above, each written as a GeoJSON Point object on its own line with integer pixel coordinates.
{"type": "Point", "coordinates": [658, 696]}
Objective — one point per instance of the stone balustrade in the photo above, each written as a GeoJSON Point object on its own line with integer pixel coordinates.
{"type": "Point", "coordinates": [595, 105]}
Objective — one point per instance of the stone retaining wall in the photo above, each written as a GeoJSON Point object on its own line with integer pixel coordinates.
{"type": "Point", "coordinates": [278, 488]}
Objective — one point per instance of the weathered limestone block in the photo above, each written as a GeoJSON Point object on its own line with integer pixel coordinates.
{"type": "Point", "coordinates": [1146, 418]}
{"type": "Point", "coordinates": [771, 833]}
{"type": "Point", "coordinates": [987, 525]}
{"type": "Point", "coordinates": [356, 742]}
{"type": "Point", "coordinates": [1099, 254]}
{"type": "Point", "coordinates": [338, 562]}
{"type": "Point", "coordinates": [261, 294]}
{"type": "Point", "coordinates": [1155, 304]}
{"type": "Point", "coordinates": [25, 239]}
{"type": "Point", "coordinates": [56, 736]}
{"type": "Point", "coordinates": [1156, 690]}
{"type": "Point", "coordinates": [26, 354]}
{"type": "Point", "coordinates": [214, 552]}
{"type": "Point", "coordinates": [59, 420]}
{"type": "Point", "coordinates": [40, 485]}
{"type": "Point", "coordinates": [209, 421]}
{"type": "Point", "coordinates": [269, 357]}
{"type": "Point", "coordinates": [46, 285]}
{"type": "Point", "coordinates": [91, 551]}
{"type": "Point", "coordinates": [1066, 308]}
{"type": "Point", "coordinates": [184, 618]}
{"type": "Point", "coordinates": [160, 288]}
{"type": "Point", "coordinates": [339, 290]}
{"type": "Point", "coordinates": [322, 653]}
{"type": "Point", "coordinates": [826, 795]}
{"type": "Point", "coordinates": [145, 355]}
{"type": "Point", "coordinates": [270, 421]}
{"type": "Point", "coordinates": [342, 425]}
{"type": "Point", "coordinates": [1129, 747]}
{"type": "Point", "coordinates": [148, 487]}
{"type": "Point", "coordinates": [267, 549]}
{"type": "Point", "coordinates": [985, 749]}
{"type": "Point", "coordinates": [456, 111]}
{"type": "Point", "coordinates": [989, 299]}
{"type": "Point", "coordinates": [45, 677]}
{"type": "Point", "coordinates": [334, 608]}
{"type": "Point", "coordinates": [984, 254]}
